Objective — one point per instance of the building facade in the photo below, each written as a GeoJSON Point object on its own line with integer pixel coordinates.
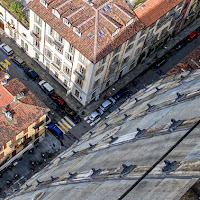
{"type": "Point", "coordinates": [22, 120]}
{"type": "Point", "coordinates": [87, 46]}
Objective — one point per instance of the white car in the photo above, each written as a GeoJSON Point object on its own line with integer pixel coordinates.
{"type": "Point", "coordinates": [107, 104]}
{"type": "Point", "coordinates": [5, 48]}
{"type": "Point", "coordinates": [94, 116]}
{"type": "Point", "coordinates": [48, 89]}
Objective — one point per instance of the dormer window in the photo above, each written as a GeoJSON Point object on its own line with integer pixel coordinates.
{"type": "Point", "coordinates": [76, 30]}
{"type": "Point", "coordinates": [129, 22]}
{"type": "Point", "coordinates": [43, 2]}
{"type": "Point", "coordinates": [66, 22]}
{"type": "Point", "coordinates": [116, 32]}
{"type": "Point", "coordinates": [56, 13]}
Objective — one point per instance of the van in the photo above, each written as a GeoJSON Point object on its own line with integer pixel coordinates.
{"type": "Point", "coordinates": [46, 87]}
{"type": "Point", "coordinates": [4, 47]}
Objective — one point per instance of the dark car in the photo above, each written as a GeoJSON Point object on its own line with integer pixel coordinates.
{"type": "Point", "coordinates": [161, 61]}
{"type": "Point", "coordinates": [181, 44]}
{"type": "Point", "coordinates": [58, 100]}
{"type": "Point", "coordinates": [74, 116]}
{"type": "Point", "coordinates": [31, 73]}
{"type": "Point", "coordinates": [192, 36]}
{"type": "Point", "coordinates": [121, 93]}
{"type": "Point", "coordinates": [18, 61]}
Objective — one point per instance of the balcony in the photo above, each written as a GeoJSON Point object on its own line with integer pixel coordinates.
{"type": "Point", "coordinates": [80, 75]}
{"type": "Point", "coordinates": [35, 35]}
{"type": "Point", "coordinates": [58, 43]}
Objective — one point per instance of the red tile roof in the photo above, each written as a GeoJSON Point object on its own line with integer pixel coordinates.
{"type": "Point", "coordinates": [90, 19]}
{"type": "Point", "coordinates": [150, 11]}
{"type": "Point", "coordinates": [24, 112]}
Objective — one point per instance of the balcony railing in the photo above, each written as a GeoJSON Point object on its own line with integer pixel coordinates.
{"type": "Point", "coordinates": [35, 35]}
{"type": "Point", "coordinates": [58, 43]}
{"type": "Point", "coordinates": [80, 75]}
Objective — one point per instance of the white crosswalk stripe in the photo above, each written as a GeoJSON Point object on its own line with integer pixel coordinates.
{"type": "Point", "coordinates": [69, 120]}
{"type": "Point", "coordinates": [65, 124]}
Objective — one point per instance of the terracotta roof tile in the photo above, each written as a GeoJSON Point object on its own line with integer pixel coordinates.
{"type": "Point", "coordinates": [24, 112]}
{"type": "Point", "coordinates": [108, 21]}
{"type": "Point", "coordinates": [150, 11]}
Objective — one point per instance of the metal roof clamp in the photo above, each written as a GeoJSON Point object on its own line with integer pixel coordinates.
{"type": "Point", "coordinates": [175, 124]}
{"type": "Point", "coordinates": [126, 169]}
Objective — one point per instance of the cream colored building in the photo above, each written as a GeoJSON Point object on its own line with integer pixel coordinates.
{"type": "Point", "coordinates": [87, 46]}
{"type": "Point", "coordinates": [22, 121]}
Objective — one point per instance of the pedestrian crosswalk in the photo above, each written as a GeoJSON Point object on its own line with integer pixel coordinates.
{"type": "Point", "coordinates": [65, 124]}
{"type": "Point", "coordinates": [4, 64]}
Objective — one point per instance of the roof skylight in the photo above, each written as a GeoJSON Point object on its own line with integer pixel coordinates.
{"type": "Point", "coordinates": [101, 33]}
{"type": "Point", "coordinates": [90, 35]}
{"type": "Point", "coordinates": [108, 6]}
{"type": "Point", "coordinates": [104, 10]}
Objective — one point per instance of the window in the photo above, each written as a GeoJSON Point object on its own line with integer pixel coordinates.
{"type": "Point", "coordinates": [60, 38]}
{"type": "Point", "coordinates": [69, 57]}
{"type": "Point", "coordinates": [117, 49]}
{"type": "Point", "coordinates": [26, 47]}
{"type": "Point", "coordinates": [37, 30]}
{"type": "Point", "coordinates": [22, 43]}
{"type": "Point", "coordinates": [11, 33]}
{"type": "Point", "coordinates": [82, 58]}
{"type": "Point", "coordinates": [65, 82]}
{"type": "Point", "coordinates": [77, 93]}
{"type": "Point", "coordinates": [107, 83]}
{"type": "Point", "coordinates": [79, 82]}
{"type": "Point", "coordinates": [12, 22]}
{"type": "Point", "coordinates": [126, 60]}
{"type": "Point", "coordinates": [66, 22]}
{"type": "Point", "coordinates": [141, 40]}
{"type": "Point", "coordinates": [49, 40]}
{"type": "Point", "coordinates": [67, 70]}
{"type": "Point", "coordinates": [36, 43]}
{"type": "Point", "coordinates": [108, 6]}
{"type": "Point", "coordinates": [57, 61]}
{"type": "Point", "coordinates": [93, 95]}
{"type": "Point", "coordinates": [96, 83]}
{"type": "Point", "coordinates": [56, 74]}
{"type": "Point", "coordinates": [71, 48]}
{"type": "Point", "coordinates": [137, 51]}
{"type": "Point", "coordinates": [36, 56]}
{"type": "Point", "coordinates": [131, 39]}
{"type": "Point", "coordinates": [129, 47]}
{"type": "Point", "coordinates": [104, 60]}
{"type": "Point", "coordinates": [51, 32]}
{"type": "Point", "coordinates": [5, 146]}
{"type": "Point", "coordinates": [48, 53]}
{"type": "Point", "coordinates": [81, 69]}
{"type": "Point", "coordinates": [115, 59]}
{"type": "Point", "coordinates": [99, 70]}
{"type": "Point", "coordinates": [59, 49]}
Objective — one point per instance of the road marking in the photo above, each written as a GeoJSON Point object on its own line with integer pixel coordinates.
{"type": "Point", "coordinates": [63, 127]}
{"type": "Point", "coordinates": [69, 120]}
{"type": "Point", "coordinates": [66, 124]}
{"type": "Point", "coordinates": [7, 61]}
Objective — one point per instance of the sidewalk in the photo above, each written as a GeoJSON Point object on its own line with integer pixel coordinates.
{"type": "Point", "coordinates": [71, 101]}
{"type": "Point", "coordinates": [26, 166]}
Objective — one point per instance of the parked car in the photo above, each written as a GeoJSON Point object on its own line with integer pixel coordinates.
{"type": "Point", "coordinates": [74, 116]}
{"type": "Point", "coordinates": [31, 73]}
{"type": "Point", "coordinates": [121, 93]}
{"type": "Point", "coordinates": [161, 61]}
{"type": "Point", "coordinates": [46, 87]}
{"type": "Point", "coordinates": [181, 44]}
{"type": "Point", "coordinates": [18, 61]}
{"type": "Point", "coordinates": [55, 130]}
{"type": "Point", "coordinates": [58, 100]}
{"type": "Point", "coordinates": [94, 116]}
{"type": "Point", "coordinates": [6, 49]}
{"type": "Point", "coordinates": [106, 105]}
{"type": "Point", "coordinates": [192, 36]}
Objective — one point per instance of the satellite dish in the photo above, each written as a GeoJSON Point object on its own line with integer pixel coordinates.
{"type": "Point", "coordinates": [7, 76]}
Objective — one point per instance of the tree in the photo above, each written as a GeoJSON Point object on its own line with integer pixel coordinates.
{"type": "Point", "coordinates": [15, 7]}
